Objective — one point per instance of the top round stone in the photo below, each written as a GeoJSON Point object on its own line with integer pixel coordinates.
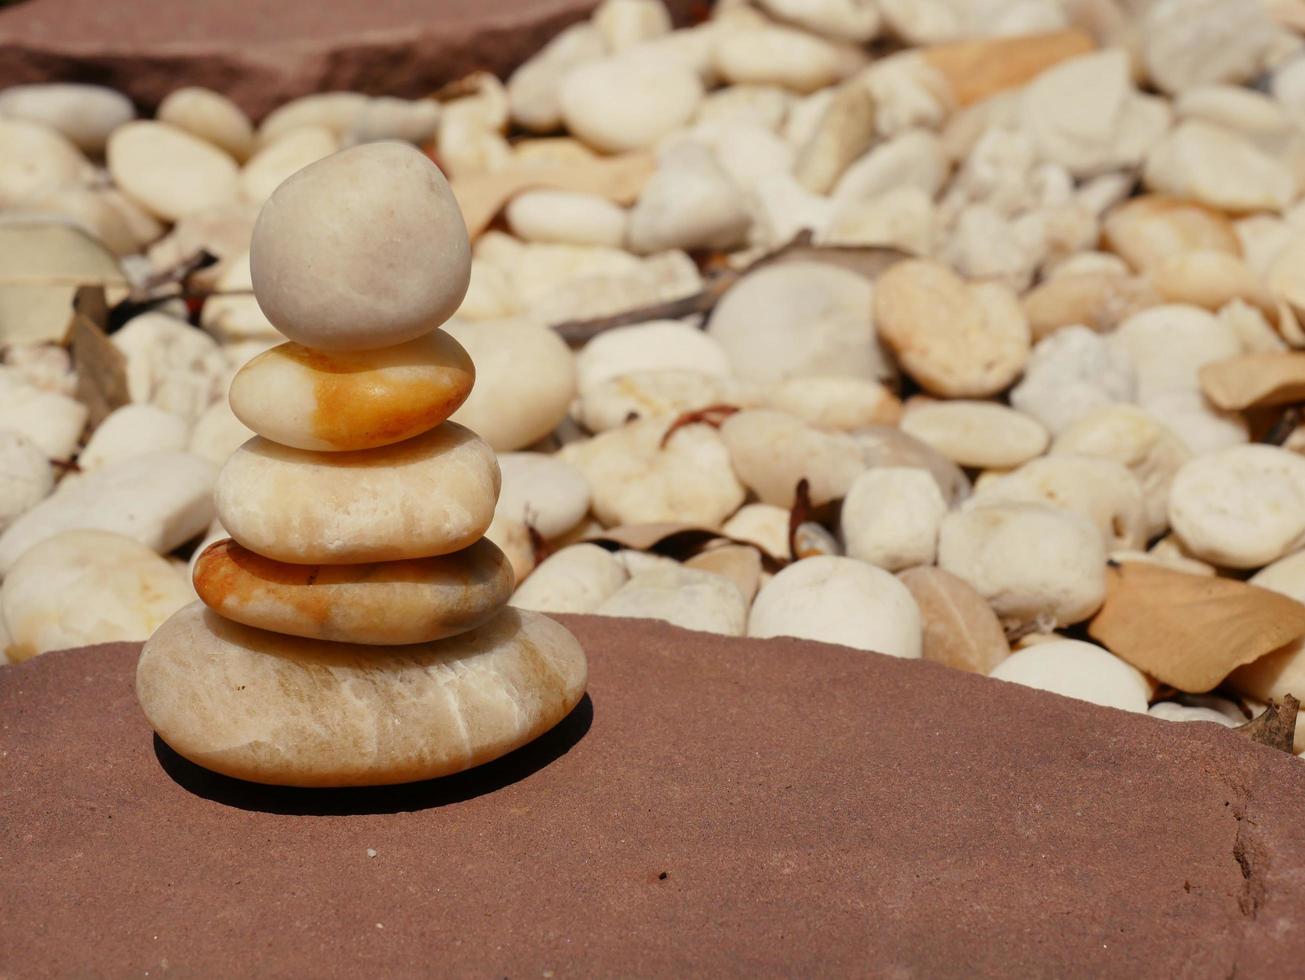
{"type": "Point", "coordinates": [363, 249]}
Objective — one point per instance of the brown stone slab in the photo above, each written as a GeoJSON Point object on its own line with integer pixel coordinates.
{"type": "Point", "coordinates": [715, 807]}
{"type": "Point", "coordinates": [262, 53]}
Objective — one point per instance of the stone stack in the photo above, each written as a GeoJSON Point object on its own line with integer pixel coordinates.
{"type": "Point", "coordinates": [353, 630]}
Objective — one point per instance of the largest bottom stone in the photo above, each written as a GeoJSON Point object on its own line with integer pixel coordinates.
{"type": "Point", "coordinates": [294, 712]}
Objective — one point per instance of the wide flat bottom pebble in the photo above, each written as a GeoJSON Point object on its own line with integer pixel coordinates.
{"type": "Point", "coordinates": [293, 712]}
{"type": "Point", "coordinates": [413, 601]}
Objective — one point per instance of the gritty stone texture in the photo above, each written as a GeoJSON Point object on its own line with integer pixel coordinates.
{"type": "Point", "coordinates": [827, 852]}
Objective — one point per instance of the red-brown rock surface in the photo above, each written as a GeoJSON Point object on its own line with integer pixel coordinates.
{"type": "Point", "coordinates": [717, 806]}
{"type": "Point", "coordinates": [263, 52]}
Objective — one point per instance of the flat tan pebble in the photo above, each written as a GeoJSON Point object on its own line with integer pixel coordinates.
{"type": "Point", "coordinates": [576, 579]}
{"type": "Point", "coordinates": [160, 499]}
{"type": "Point", "coordinates": [567, 217]}
{"type": "Point", "coordinates": [84, 114]}
{"type": "Point", "coordinates": [133, 430]}
{"type": "Point", "coordinates": [839, 600]}
{"type": "Point", "coordinates": [211, 116]}
{"type": "Point", "coordinates": [168, 171]}
{"type": "Point", "coordinates": [633, 479]}
{"type": "Point", "coordinates": [1241, 507]}
{"type": "Point", "coordinates": [218, 433]}
{"type": "Point", "coordinates": [430, 495]}
{"type": "Point", "coordinates": [1078, 670]}
{"type": "Point", "coordinates": [289, 711]}
{"type": "Point", "coordinates": [891, 516]}
{"type": "Point", "coordinates": [1208, 279]}
{"type": "Point", "coordinates": [1149, 230]}
{"type": "Point", "coordinates": [543, 491]}
{"type": "Point", "coordinates": [764, 525]}
{"type": "Point", "coordinates": [796, 319]}
{"type": "Point", "coordinates": [772, 451]}
{"type": "Point", "coordinates": [628, 101]}
{"type": "Point", "coordinates": [684, 597]}
{"type": "Point", "coordinates": [36, 160]}
{"type": "Point", "coordinates": [846, 20]}
{"type": "Point", "coordinates": [533, 89]}
{"type": "Point", "coordinates": [1172, 711]}
{"type": "Point", "coordinates": [1096, 300]}
{"type": "Point", "coordinates": [1218, 167]}
{"type": "Point", "coordinates": [689, 203]}
{"type": "Point", "coordinates": [739, 563]}
{"type": "Point", "coordinates": [960, 628]}
{"type": "Point", "coordinates": [840, 404]}
{"type": "Point", "coordinates": [845, 131]}
{"type": "Point", "coordinates": [276, 162]}
{"type": "Point", "coordinates": [26, 476]}
{"type": "Point", "coordinates": [626, 23]}
{"type": "Point", "coordinates": [657, 345]}
{"type": "Point", "coordinates": [514, 539]}
{"type": "Point", "coordinates": [348, 400]}
{"type": "Point", "coordinates": [956, 339]}
{"type": "Point", "coordinates": [1136, 439]}
{"type": "Point", "coordinates": [913, 159]}
{"type": "Point", "coordinates": [388, 263]}
{"type": "Point", "coordinates": [1102, 490]}
{"type": "Point", "coordinates": [397, 602]}
{"type": "Point", "coordinates": [781, 56]}
{"type": "Point", "coordinates": [337, 111]}
{"type": "Point", "coordinates": [1286, 575]}
{"type": "Point", "coordinates": [1186, 43]}
{"type": "Point", "coordinates": [102, 212]}
{"type": "Point", "coordinates": [50, 421]}
{"type": "Point", "coordinates": [83, 587]}
{"type": "Point", "coordinates": [1031, 562]}
{"type": "Point", "coordinates": [972, 433]}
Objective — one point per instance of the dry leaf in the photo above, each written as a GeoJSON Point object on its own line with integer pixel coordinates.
{"type": "Point", "coordinates": [101, 367]}
{"type": "Point", "coordinates": [649, 537]}
{"type": "Point", "coordinates": [1191, 631]}
{"type": "Point", "coordinates": [978, 69]}
{"type": "Point", "coordinates": [739, 563]}
{"type": "Point", "coordinates": [1255, 380]}
{"type": "Point", "coordinates": [619, 178]}
{"type": "Point", "coordinates": [1275, 726]}
{"type": "Point", "coordinates": [960, 628]}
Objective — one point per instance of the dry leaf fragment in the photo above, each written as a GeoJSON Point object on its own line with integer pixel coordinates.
{"type": "Point", "coordinates": [739, 563]}
{"type": "Point", "coordinates": [101, 367]}
{"type": "Point", "coordinates": [978, 69]}
{"type": "Point", "coordinates": [1275, 726]}
{"type": "Point", "coordinates": [1255, 380]}
{"type": "Point", "coordinates": [619, 178]}
{"type": "Point", "coordinates": [1191, 631]}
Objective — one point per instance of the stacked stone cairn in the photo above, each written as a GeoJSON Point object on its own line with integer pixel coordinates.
{"type": "Point", "coordinates": [353, 630]}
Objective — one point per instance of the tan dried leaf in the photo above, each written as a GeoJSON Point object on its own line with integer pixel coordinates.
{"type": "Point", "coordinates": [1191, 631]}
{"type": "Point", "coordinates": [976, 70]}
{"type": "Point", "coordinates": [101, 367]}
{"type": "Point", "coordinates": [739, 563]}
{"type": "Point", "coordinates": [1255, 380]}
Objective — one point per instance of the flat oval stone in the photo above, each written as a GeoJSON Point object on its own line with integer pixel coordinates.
{"type": "Point", "coordinates": [393, 602]}
{"type": "Point", "coordinates": [167, 171]}
{"type": "Point", "coordinates": [293, 712]}
{"type": "Point", "coordinates": [431, 495]}
{"type": "Point", "coordinates": [346, 400]}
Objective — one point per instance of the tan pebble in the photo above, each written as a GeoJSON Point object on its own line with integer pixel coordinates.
{"type": "Point", "coordinates": [1099, 301]}
{"type": "Point", "coordinates": [1149, 229]}
{"type": "Point", "coordinates": [960, 628]}
{"type": "Point", "coordinates": [430, 495]}
{"type": "Point", "coordinates": [413, 601]}
{"type": "Point", "coordinates": [1209, 279]}
{"type": "Point", "coordinates": [168, 171]}
{"type": "Point", "coordinates": [289, 711]}
{"type": "Point", "coordinates": [348, 400]}
{"type": "Point", "coordinates": [982, 434]}
{"type": "Point", "coordinates": [211, 116]}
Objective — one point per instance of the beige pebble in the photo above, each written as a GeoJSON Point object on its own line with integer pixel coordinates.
{"type": "Point", "coordinates": [278, 160]}
{"type": "Point", "coordinates": [972, 433]}
{"type": "Point", "coordinates": [689, 203]}
{"type": "Point", "coordinates": [1218, 167]}
{"type": "Point", "coordinates": [772, 452]}
{"type": "Point", "coordinates": [542, 491]}
{"type": "Point", "coordinates": [780, 56]}
{"type": "Point", "coordinates": [567, 217]}
{"type": "Point", "coordinates": [841, 404]}
{"type": "Point", "coordinates": [430, 495]}
{"type": "Point", "coordinates": [628, 101]}
{"type": "Point", "coordinates": [85, 114]}
{"type": "Point", "coordinates": [533, 88]}
{"type": "Point", "coordinates": [764, 525]}
{"type": "Point", "coordinates": [686, 597]}
{"type": "Point", "coordinates": [26, 477]}
{"type": "Point", "coordinates": [133, 430]}
{"type": "Point", "coordinates": [956, 339]}
{"type": "Point", "coordinates": [168, 171]}
{"type": "Point", "coordinates": [218, 433]}
{"type": "Point", "coordinates": [1151, 229]}
{"type": "Point", "coordinates": [576, 579]}
{"type": "Point", "coordinates": [337, 111]}
{"type": "Point", "coordinates": [1096, 300]}
{"type": "Point", "coordinates": [1074, 669]}
{"type": "Point", "coordinates": [36, 160]}
{"type": "Point", "coordinates": [397, 602]}
{"type": "Point", "coordinates": [341, 278]}
{"type": "Point", "coordinates": [211, 116]}
{"type": "Point", "coordinates": [657, 345]}
{"type": "Point", "coordinates": [648, 394]}
{"type": "Point", "coordinates": [891, 516]}
{"type": "Point", "coordinates": [289, 711]}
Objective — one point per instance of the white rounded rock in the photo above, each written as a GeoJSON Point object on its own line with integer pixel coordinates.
{"type": "Point", "coordinates": [780, 56]}
{"type": "Point", "coordinates": [1071, 373]}
{"type": "Point", "coordinates": [276, 162]}
{"type": "Point", "coordinates": [839, 600]}
{"type": "Point", "coordinates": [684, 597]}
{"type": "Point", "coordinates": [85, 114]}
{"type": "Point", "coordinates": [337, 111]}
{"type": "Point", "coordinates": [84, 587]}
{"type": "Point", "coordinates": [211, 116]}
{"type": "Point", "coordinates": [1078, 670]}
{"type": "Point", "coordinates": [689, 203]}
{"type": "Point", "coordinates": [648, 394]}
{"type": "Point", "coordinates": [1168, 345]}
{"type": "Point", "coordinates": [50, 421]}
{"type": "Point", "coordinates": [577, 579]}
{"type": "Point", "coordinates": [795, 319]}
{"type": "Point", "coordinates": [764, 525]}
{"type": "Point", "coordinates": [1033, 563]}
{"type": "Point", "coordinates": [26, 477]}
{"type": "Point", "coordinates": [628, 101]}
{"type": "Point", "coordinates": [133, 430]}
{"type": "Point", "coordinates": [34, 161]}
{"type": "Point", "coordinates": [169, 172]}
{"type": "Point", "coordinates": [386, 262]}
{"type": "Point", "coordinates": [513, 405]}
{"type": "Point", "coordinates": [846, 20]}
{"type": "Point", "coordinates": [542, 491]}
{"type": "Point", "coordinates": [773, 451]}
{"type": "Point", "coordinates": [161, 500]}
{"type": "Point", "coordinates": [218, 433]}
{"type": "Point", "coordinates": [567, 218]}
{"type": "Point", "coordinates": [841, 404]}
{"type": "Point", "coordinates": [658, 345]}
{"type": "Point", "coordinates": [973, 433]}
{"type": "Point", "coordinates": [891, 517]}
{"type": "Point", "coordinates": [1241, 507]}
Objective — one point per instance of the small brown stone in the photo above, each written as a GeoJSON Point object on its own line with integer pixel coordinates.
{"type": "Point", "coordinates": [960, 628]}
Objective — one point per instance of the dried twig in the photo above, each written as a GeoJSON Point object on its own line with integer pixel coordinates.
{"type": "Point", "coordinates": [1275, 726]}
{"type": "Point", "coordinates": [1287, 423]}
{"type": "Point", "coordinates": [799, 514]}
{"type": "Point", "coordinates": [713, 415]}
